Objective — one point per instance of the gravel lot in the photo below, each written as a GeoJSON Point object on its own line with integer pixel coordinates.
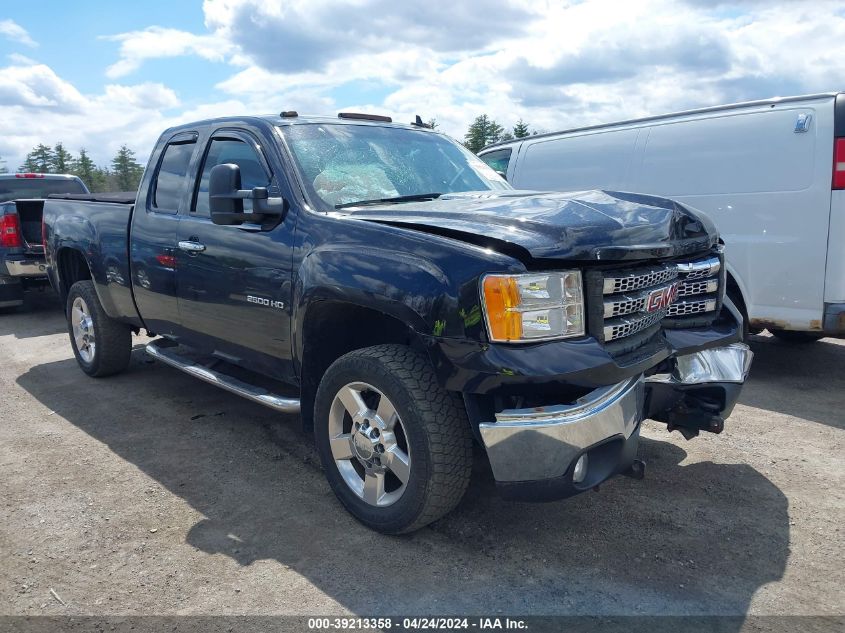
{"type": "Point", "coordinates": [154, 493]}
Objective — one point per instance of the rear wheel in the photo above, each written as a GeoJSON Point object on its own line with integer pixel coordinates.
{"type": "Point", "coordinates": [395, 446]}
{"type": "Point", "coordinates": [102, 346]}
{"type": "Point", "coordinates": [792, 336]}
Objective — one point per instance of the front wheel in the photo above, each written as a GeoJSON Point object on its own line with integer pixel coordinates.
{"type": "Point", "coordinates": [102, 346]}
{"type": "Point", "coordinates": [396, 447]}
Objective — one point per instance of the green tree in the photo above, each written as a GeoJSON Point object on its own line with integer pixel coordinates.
{"type": "Point", "coordinates": [39, 160]}
{"type": "Point", "coordinates": [520, 130]}
{"type": "Point", "coordinates": [91, 175]}
{"type": "Point", "coordinates": [127, 171]}
{"type": "Point", "coordinates": [432, 123]}
{"type": "Point", "coordinates": [481, 133]}
{"type": "Point", "coordinates": [62, 159]}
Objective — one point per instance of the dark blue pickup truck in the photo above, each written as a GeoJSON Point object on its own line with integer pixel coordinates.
{"type": "Point", "coordinates": [385, 283]}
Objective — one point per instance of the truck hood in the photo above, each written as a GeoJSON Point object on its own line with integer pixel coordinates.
{"type": "Point", "coordinates": [583, 225]}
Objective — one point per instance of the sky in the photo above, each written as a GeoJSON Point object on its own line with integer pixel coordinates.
{"type": "Point", "coordinates": [99, 74]}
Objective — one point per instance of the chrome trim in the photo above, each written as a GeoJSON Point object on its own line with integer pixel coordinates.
{"type": "Point", "coordinates": [699, 269]}
{"type": "Point", "coordinates": [638, 279]}
{"type": "Point", "coordinates": [691, 306]}
{"type": "Point", "coordinates": [250, 392]}
{"type": "Point", "coordinates": [191, 247]}
{"type": "Point", "coordinates": [626, 326]}
{"type": "Point", "coordinates": [719, 364]}
{"type": "Point", "coordinates": [542, 442]}
{"type": "Point", "coordinates": [26, 267]}
{"type": "Point", "coordinates": [698, 287]}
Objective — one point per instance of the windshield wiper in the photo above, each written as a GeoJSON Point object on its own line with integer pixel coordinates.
{"type": "Point", "coordinates": [397, 199]}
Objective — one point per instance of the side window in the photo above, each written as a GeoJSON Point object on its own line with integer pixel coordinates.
{"type": "Point", "coordinates": [230, 150]}
{"type": "Point", "coordinates": [498, 160]}
{"type": "Point", "coordinates": [170, 180]}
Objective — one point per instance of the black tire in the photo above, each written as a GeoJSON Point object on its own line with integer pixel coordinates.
{"type": "Point", "coordinates": [435, 427]}
{"type": "Point", "coordinates": [113, 339]}
{"type": "Point", "coordinates": [791, 336]}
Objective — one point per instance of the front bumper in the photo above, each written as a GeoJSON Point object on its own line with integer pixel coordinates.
{"type": "Point", "coordinates": [533, 452]}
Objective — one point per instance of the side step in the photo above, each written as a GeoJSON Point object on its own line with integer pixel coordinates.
{"type": "Point", "coordinates": [250, 392]}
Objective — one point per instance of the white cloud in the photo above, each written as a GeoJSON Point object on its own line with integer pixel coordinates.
{"type": "Point", "coordinates": [155, 42]}
{"type": "Point", "coordinates": [37, 106]}
{"type": "Point", "coordinates": [15, 32]}
{"type": "Point", "coordinates": [553, 64]}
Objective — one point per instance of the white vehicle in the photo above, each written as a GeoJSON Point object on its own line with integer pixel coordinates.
{"type": "Point", "coordinates": [771, 174]}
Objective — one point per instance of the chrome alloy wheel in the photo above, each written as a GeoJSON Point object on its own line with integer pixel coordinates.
{"type": "Point", "coordinates": [369, 444]}
{"type": "Point", "coordinates": [83, 329]}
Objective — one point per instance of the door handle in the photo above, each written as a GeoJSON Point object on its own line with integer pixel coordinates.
{"type": "Point", "coordinates": [192, 248]}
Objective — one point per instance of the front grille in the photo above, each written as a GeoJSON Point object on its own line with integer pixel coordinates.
{"type": "Point", "coordinates": [671, 294]}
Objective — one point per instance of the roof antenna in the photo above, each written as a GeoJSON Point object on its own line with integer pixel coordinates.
{"type": "Point", "coordinates": [419, 122]}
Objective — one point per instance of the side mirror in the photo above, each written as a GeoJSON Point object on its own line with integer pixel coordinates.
{"type": "Point", "coordinates": [226, 198]}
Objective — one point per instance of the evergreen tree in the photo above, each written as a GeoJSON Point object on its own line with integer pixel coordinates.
{"type": "Point", "coordinates": [127, 172]}
{"type": "Point", "coordinates": [39, 160]}
{"type": "Point", "coordinates": [520, 130]}
{"type": "Point", "coordinates": [91, 175]}
{"type": "Point", "coordinates": [432, 123]}
{"type": "Point", "coordinates": [62, 159]}
{"type": "Point", "coordinates": [481, 133]}
{"type": "Point", "coordinates": [506, 136]}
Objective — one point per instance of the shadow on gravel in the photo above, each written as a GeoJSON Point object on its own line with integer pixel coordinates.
{"type": "Point", "coordinates": [804, 380]}
{"type": "Point", "coordinates": [40, 315]}
{"type": "Point", "coordinates": [689, 539]}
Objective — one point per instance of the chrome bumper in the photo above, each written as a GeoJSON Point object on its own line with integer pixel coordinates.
{"type": "Point", "coordinates": [26, 267]}
{"type": "Point", "coordinates": [542, 442]}
{"type": "Point", "coordinates": [729, 364]}
{"type": "Point", "coordinates": [530, 445]}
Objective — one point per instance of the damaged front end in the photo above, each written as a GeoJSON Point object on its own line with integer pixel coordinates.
{"type": "Point", "coordinates": [697, 392]}
{"type": "Point", "coordinates": [551, 452]}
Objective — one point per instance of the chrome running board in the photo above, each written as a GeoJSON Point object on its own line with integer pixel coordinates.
{"type": "Point", "coordinates": [250, 392]}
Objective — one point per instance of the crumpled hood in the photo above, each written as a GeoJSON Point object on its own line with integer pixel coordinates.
{"type": "Point", "coordinates": [583, 225]}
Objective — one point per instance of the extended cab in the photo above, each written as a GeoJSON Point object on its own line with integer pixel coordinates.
{"type": "Point", "coordinates": [21, 252]}
{"type": "Point", "coordinates": [387, 284]}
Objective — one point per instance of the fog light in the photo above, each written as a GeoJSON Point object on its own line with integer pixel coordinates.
{"type": "Point", "coordinates": [580, 469]}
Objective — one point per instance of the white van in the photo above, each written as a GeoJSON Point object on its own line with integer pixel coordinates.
{"type": "Point", "coordinates": [770, 173]}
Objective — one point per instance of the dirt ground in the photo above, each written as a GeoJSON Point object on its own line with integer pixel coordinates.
{"type": "Point", "coordinates": [154, 493]}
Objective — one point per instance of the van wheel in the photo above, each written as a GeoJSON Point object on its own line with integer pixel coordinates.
{"type": "Point", "coordinates": [102, 346]}
{"type": "Point", "coordinates": [792, 336]}
{"type": "Point", "coordinates": [396, 447]}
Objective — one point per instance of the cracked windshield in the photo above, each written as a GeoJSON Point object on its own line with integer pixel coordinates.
{"type": "Point", "coordinates": [345, 164]}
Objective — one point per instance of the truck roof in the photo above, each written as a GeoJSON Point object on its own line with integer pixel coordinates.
{"type": "Point", "coordinates": [275, 119]}
{"type": "Point", "coordinates": [657, 117]}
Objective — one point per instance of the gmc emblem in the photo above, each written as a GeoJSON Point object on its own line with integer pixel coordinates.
{"type": "Point", "coordinates": [662, 298]}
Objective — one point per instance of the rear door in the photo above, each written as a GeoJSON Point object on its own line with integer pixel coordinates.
{"type": "Point", "coordinates": [234, 282]}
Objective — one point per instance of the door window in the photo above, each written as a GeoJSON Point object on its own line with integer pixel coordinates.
{"type": "Point", "coordinates": [498, 160]}
{"type": "Point", "coordinates": [170, 179]}
{"type": "Point", "coordinates": [242, 154]}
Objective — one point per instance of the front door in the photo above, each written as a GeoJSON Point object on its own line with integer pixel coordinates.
{"type": "Point", "coordinates": [234, 282]}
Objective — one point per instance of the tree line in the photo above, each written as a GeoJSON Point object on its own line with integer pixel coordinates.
{"type": "Point", "coordinates": [123, 173]}
{"type": "Point", "coordinates": [484, 131]}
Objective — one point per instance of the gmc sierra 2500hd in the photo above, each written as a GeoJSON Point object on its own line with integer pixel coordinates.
{"type": "Point", "coordinates": [387, 284]}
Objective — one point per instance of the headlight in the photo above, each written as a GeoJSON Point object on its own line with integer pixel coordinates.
{"type": "Point", "coordinates": [533, 307]}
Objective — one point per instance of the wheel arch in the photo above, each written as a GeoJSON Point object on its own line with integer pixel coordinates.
{"type": "Point", "coordinates": [332, 328]}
